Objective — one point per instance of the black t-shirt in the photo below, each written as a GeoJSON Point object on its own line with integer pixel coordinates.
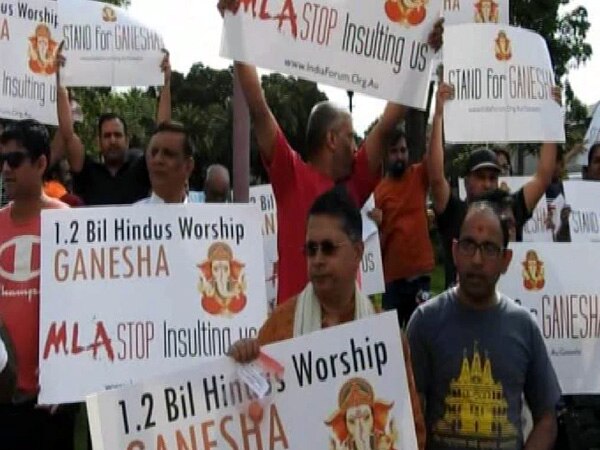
{"type": "Point", "coordinates": [97, 186]}
{"type": "Point", "coordinates": [450, 220]}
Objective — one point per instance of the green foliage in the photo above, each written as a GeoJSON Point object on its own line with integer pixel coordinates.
{"type": "Point", "coordinates": [202, 102]}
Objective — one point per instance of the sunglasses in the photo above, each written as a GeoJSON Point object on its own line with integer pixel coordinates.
{"type": "Point", "coordinates": [328, 248]}
{"type": "Point", "coordinates": [13, 159]}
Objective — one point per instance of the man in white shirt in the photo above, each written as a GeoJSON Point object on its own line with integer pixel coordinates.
{"type": "Point", "coordinates": [170, 161]}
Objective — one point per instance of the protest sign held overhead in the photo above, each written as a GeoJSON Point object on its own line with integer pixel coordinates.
{"type": "Point", "coordinates": [132, 292]}
{"type": "Point", "coordinates": [565, 301]}
{"type": "Point", "coordinates": [456, 12]}
{"type": "Point", "coordinates": [379, 48]}
{"type": "Point", "coordinates": [340, 372]}
{"type": "Point", "coordinates": [29, 39]}
{"type": "Point", "coordinates": [106, 46]}
{"type": "Point", "coordinates": [503, 80]}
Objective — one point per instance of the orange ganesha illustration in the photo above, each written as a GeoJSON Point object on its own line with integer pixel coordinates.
{"type": "Point", "coordinates": [222, 282]}
{"type": "Point", "coordinates": [503, 47]}
{"type": "Point", "coordinates": [109, 14]}
{"type": "Point", "coordinates": [406, 12]}
{"type": "Point", "coordinates": [533, 272]}
{"type": "Point", "coordinates": [361, 420]}
{"type": "Point", "coordinates": [486, 11]}
{"type": "Point", "coordinates": [42, 51]}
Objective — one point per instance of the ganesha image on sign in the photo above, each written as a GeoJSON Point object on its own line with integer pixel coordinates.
{"type": "Point", "coordinates": [42, 51]}
{"type": "Point", "coordinates": [361, 421]}
{"type": "Point", "coordinates": [222, 282]}
{"type": "Point", "coordinates": [406, 12]}
{"type": "Point", "coordinates": [486, 11]}
{"type": "Point", "coordinates": [533, 272]}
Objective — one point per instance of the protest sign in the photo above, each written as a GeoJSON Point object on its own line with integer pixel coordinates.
{"type": "Point", "coordinates": [550, 280]}
{"type": "Point", "coordinates": [584, 220]}
{"type": "Point", "coordinates": [379, 49]}
{"type": "Point", "coordinates": [106, 46]}
{"type": "Point", "coordinates": [370, 276]}
{"type": "Point", "coordinates": [592, 136]}
{"type": "Point", "coordinates": [456, 12]}
{"type": "Point", "coordinates": [263, 197]}
{"type": "Point", "coordinates": [338, 371]}
{"type": "Point", "coordinates": [503, 79]}
{"type": "Point", "coordinates": [29, 39]}
{"type": "Point", "coordinates": [132, 292]}
{"type": "Point", "coordinates": [535, 229]}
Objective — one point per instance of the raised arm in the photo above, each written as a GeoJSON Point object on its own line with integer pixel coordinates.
{"type": "Point", "coordinates": [71, 143]}
{"type": "Point", "coordinates": [536, 187]}
{"type": "Point", "coordinates": [440, 188]}
{"type": "Point", "coordinates": [164, 104]}
{"type": "Point", "coordinates": [378, 140]}
{"type": "Point", "coordinates": [265, 125]}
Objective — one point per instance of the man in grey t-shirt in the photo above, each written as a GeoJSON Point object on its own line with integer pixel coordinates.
{"type": "Point", "coordinates": [475, 352]}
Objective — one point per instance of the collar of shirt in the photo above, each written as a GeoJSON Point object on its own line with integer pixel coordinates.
{"type": "Point", "coordinates": [156, 200]}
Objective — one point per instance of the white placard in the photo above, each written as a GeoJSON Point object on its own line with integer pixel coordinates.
{"type": "Point", "coordinates": [475, 11]}
{"type": "Point", "coordinates": [551, 281]}
{"type": "Point", "coordinates": [263, 197]}
{"type": "Point", "coordinates": [129, 293]}
{"type": "Point", "coordinates": [592, 136]}
{"type": "Point", "coordinates": [503, 81]}
{"type": "Point", "coordinates": [106, 46]}
{"type": "Point", "coordinates": [29, 39]}
{"type": "Point", "coordinates": [535, 229]}
{"type": "Point", "coordinates": [584, 199]}
{"type": "Point", "coordinates": [379, 49]}
{"type": "Point", "coordinates": [337, 371]}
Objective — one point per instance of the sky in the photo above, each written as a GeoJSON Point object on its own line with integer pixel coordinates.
{"type": "Point", "coordinates": [192, 32]}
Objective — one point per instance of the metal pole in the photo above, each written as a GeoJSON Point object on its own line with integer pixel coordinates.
{"type": "Point", "coordinates": [241, 144]}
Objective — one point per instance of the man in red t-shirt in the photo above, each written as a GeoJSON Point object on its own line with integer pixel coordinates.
{"type": "Point", "coordinates": [24, 156]}
{"type": "Point", "coordinates": [331, 158]}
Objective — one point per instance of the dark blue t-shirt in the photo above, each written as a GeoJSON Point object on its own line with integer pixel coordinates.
{"type": "Point", "coordinates": [473, 366]}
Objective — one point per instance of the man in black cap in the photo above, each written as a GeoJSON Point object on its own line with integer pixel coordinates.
{"type": "Point", "coordinates": [481, 175]}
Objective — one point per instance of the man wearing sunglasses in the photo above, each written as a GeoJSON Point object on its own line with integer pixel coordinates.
{"type": "Point", "coordinates": [475, 352]}
{"type": "Point", "coordinates": [24, 156]}
{"type": "Point", "coordinates": [400, 201]}
{"type": "Point", "coordinates": [333, 250]}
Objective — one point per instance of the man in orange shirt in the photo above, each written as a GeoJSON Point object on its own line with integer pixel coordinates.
{"type": "Point", "coordinates": [333, 249]}
{"type": "Point", "coordinates": [400, 212]}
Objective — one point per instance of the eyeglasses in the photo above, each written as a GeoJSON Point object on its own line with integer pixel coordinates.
{"type": "Point", "coordinates": [328, 248]}
{"type": "Point", "coordinates": [488, 250]}
{"type": "Point", "coordinates": [13, 159]}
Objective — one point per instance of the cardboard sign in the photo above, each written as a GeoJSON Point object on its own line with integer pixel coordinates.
{"type": "Point", "coordinates": [551, 281]}
{"type": "Point", "coordinates": [341, 371]}
{"type": "Point", "coordinates": [503, 81]}
{"type": "Point", "coordinates": [106, 46]}
{"type": "Point", "coordinates": [376, 48]}
{"type": "Point", "coordinates": [29, 39]}
{"type": "Point", "coordinates": [129, 293]}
